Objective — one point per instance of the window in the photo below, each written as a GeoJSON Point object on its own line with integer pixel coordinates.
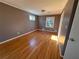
{"type": "Point", "coordinates": [32, 17]}
{"type": "Point", "coordinates": [50, 22]}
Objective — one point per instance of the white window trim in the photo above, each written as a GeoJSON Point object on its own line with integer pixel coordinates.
{"type": "Point", "coordinates": [53, 18]}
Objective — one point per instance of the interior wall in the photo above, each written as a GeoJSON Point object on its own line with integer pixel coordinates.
{"type": "Point", "coordinates": [42, 23]}
{"type": "Point", "coordinates": [14, 22]}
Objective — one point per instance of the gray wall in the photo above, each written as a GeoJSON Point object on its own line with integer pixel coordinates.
{"type": "Point", "coordinates": [14, 22]}
{"type": "Point", "coordinates": [42, 22]}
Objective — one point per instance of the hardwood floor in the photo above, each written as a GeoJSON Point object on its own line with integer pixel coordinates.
{"type": "Point", "coordinates": [37, 45]}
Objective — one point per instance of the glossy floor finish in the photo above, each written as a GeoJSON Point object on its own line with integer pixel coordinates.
{"type": "Point", "coordinates": [37, 45]}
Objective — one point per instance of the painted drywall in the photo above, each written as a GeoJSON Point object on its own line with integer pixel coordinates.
{"type": "Point", "coordinates": [42, 23]}
{"type": "Point", "coordinates": [14, 22]}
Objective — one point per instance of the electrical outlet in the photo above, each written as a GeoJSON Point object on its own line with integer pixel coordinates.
{"type": "Point", "coordinates": [18, 33]}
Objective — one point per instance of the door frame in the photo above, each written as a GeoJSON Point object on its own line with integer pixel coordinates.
{"type": "Point", "coordinates": [70, 24]}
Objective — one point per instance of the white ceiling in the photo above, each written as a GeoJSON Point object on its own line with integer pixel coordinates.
{"type": "Point", "coordinates": [35, 6]}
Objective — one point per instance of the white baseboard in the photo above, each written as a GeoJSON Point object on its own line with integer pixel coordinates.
{"type": "Point", "coordinates": [60, 50]}
{"type": "Point", "coordinates": [45, 30]}
{"type": "Point", "coordinates": [17, 37]}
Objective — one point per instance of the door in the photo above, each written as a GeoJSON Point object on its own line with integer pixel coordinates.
{"type": "Point", "coordinates": [72, 49]}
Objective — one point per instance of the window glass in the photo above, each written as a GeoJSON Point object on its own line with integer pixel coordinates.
{"type": "Point", "coordinates": [50, 22]}
{"type": "Point", "coordinates": [32, 17]}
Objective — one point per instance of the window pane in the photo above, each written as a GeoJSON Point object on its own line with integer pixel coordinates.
{"type": "Point", "coordinates": [50, 22]}
{"type": "Point", "coordinates": [32, 17]}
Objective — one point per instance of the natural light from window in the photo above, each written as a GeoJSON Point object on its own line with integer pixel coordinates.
{"type": "Point", "coordinates": [50, 22]}
{"type": "Point", "coordinates": [32, 17]}
{"type": "Point", "coordinates": [54, 37]}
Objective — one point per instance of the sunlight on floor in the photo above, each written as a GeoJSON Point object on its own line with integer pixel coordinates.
{"type": "Point", "coordinates": [54, 37]}
{"type": "Point", "coordinates": [33, 42]}
{"type": "Point", "coordinates": [62, 39]}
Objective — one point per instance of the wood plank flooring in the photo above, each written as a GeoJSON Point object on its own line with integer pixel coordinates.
{"type": "Point", "coordinates": [37, 45]}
